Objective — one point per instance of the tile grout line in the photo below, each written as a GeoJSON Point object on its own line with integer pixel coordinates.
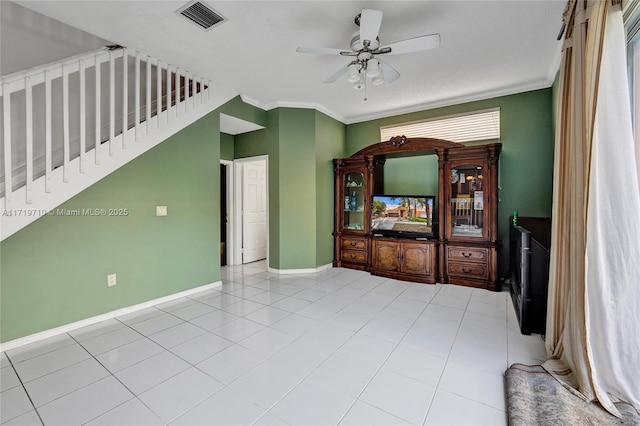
{"type": "Point", "coordinates": [135, 396]}
{"type": "Point", "coordinates": [25, 391]}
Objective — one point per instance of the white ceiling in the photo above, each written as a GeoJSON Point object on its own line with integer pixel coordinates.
{"type": "Point", "coordinates": [488, 48]}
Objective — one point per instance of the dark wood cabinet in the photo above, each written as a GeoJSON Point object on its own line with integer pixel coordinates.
{"type": "Point", "coordinates": [412, 260]}
{"type": "Point", "coordinates": [355, 181]}
{"type": "Point", "coordinates": [470, 207]}
{"type": "Point", "coordinates": [464, 249]}
{"type": "Point", "coordinates": [464, 263]}
{"type": "Point", "coordinates": [418, 258]}
{"type": "Point", "coordinates": [386, 256]}
{"type": "Point", "coordinates": [354, 250]}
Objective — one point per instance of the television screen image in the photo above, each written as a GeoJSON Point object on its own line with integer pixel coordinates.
{"type": "Point", "coordinates": [403, 215]}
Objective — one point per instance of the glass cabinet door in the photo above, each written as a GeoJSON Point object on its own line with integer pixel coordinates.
{"type": "Point", "coordinates": [353, 217]}
{"type": "Point", "coordinates": [467, 200]}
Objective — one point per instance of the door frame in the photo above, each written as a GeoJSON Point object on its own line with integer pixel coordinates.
{"type": "Point", "coordinates": [230, 211]}
{"type": "Point", "coordinates": [237, 200]}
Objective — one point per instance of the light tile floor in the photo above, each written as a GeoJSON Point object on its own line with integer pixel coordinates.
{"type": "Point", "coordinates": [335, 347]}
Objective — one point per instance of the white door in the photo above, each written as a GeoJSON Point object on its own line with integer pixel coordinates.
{"type": "Point", "coordinates": [254, 206]}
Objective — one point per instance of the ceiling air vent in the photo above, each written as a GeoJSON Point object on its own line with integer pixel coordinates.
{"type": "Point", "coordinates": [201, 14]}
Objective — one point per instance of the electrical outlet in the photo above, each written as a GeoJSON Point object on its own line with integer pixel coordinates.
{"type": "Point", "coordinates": [161, 210]}
{"type": "Point", "coordinates": [111, 280]}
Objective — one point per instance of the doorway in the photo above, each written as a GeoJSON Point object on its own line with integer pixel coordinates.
{"type": "Point", "coordinates": [226, 212]}
{"type": "Point", "coordinates": [251, 205]}
{"type": "Point", "coordinates": [223, 214]}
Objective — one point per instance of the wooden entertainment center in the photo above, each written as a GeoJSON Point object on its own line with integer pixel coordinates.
{"type": "Point", "coordinates": [464, 244]}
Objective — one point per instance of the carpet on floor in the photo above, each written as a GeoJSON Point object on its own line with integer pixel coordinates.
{"type": "Point", "coordinates": [534, 397]}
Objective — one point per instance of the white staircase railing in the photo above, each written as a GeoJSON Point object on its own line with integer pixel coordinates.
{"type": "Point", "coordinates": [67, 124]}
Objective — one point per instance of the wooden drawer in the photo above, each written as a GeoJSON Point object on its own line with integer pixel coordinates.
{"type": "Point", "coordinates": [468, 270]}
{"type": "Point", "coordinates": [468, 254]}
{"type": "Point", "coordinates": [354, 243]}
{"type": "Point", "coordinates": [354, 256]}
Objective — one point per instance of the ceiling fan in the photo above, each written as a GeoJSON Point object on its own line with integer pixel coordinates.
{"type": "Point", "coordinates": [365, 49]}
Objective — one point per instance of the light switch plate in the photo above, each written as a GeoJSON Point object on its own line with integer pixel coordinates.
{"type": "Point", "coordinates": [161, 210]}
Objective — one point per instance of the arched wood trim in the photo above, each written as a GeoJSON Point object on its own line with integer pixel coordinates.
{"type": "Point", "coordinates": [403, 144]}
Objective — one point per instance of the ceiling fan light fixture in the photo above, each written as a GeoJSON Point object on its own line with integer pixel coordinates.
{"type": "Point", "coordinates": [366, 48]}
{"type": "Point", "coordinates": [373, 68]}
{"type": "Point", "coordinates": [354, 73]}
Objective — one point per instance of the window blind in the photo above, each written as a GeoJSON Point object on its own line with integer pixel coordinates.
{"type": "Point", "coordinates": [631, 18]}
{"type": "Point", "coordinates": [477, 126]}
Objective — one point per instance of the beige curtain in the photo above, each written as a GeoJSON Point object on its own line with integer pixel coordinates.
{"type": "Point", "coordinates": [583, 329]}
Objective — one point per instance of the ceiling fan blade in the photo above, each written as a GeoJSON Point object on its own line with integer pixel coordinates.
{"type": "Point", "coordinates": [336, 75]}
{"type": "Point", "coordinates": [321, 50]}
{"type": "Point", "coordinates": [370, 21]}
{"type": "Point", "coordinates": [389, 73]}
{"type": "Point", "coordinates": [417, 44]}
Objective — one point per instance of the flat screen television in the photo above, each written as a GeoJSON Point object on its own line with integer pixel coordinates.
{"type": "Point", "coordinates": [403, 216]}
{"type": "Point", "coordinates": [529, 263]}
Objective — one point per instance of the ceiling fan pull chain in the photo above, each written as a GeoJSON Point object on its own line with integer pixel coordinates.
{"type": "Point", "coordinates": [365, 88]}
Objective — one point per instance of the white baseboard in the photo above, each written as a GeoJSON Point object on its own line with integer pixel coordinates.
{"type": "Point", "coordinates": [12, 344]}
{"type": "Point", "coordinates": [300, 271]}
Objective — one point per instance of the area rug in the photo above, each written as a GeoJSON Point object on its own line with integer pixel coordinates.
{"type": "Point", "coordinates": [534, 397]}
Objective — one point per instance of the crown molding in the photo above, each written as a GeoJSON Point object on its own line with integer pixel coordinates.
{"type": "Point", "coordinates": [288, 104]}
{"type": "Point", "coordinates": [310, 105]}
{"type": "Point", "coordinates": [522, 88]}
{"type": "Point", "coordinates": [542, 84]}
{"type": "Point", "coordinates": [252, 101]}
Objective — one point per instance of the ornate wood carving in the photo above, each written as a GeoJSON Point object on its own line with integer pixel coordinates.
{"type": "Point", "coordinates": [398, 140]}
{"type": "Point", "coordinates": [402, 144]}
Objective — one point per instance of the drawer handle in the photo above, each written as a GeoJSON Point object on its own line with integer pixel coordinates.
{"type": "Point", "coordinates": [466, 271]}
{"type": "Point", "coordinates": [353, 243]}
{"type": "Point", "coordinates": [466, 254]}
{"type": "Point", "coordinates": [353, 256]}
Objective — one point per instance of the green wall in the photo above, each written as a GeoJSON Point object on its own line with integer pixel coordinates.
{"type": "Point", "coordinates": [411, 176]}
{"type": "Point", "coordinates": [300, 144]}
{"type": "Point", "coordinates": [237, 108]}
{"type": "Point", "coordinates": [297, 189]}
{"type": "Point", "coordinates": [330, 143]}
{"type": "Point", "coordinates": [226, 147]}
{"type": "Point", "coordinates": [526, 162]}
{"type": "Point", "coordinates": [54, 271]}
